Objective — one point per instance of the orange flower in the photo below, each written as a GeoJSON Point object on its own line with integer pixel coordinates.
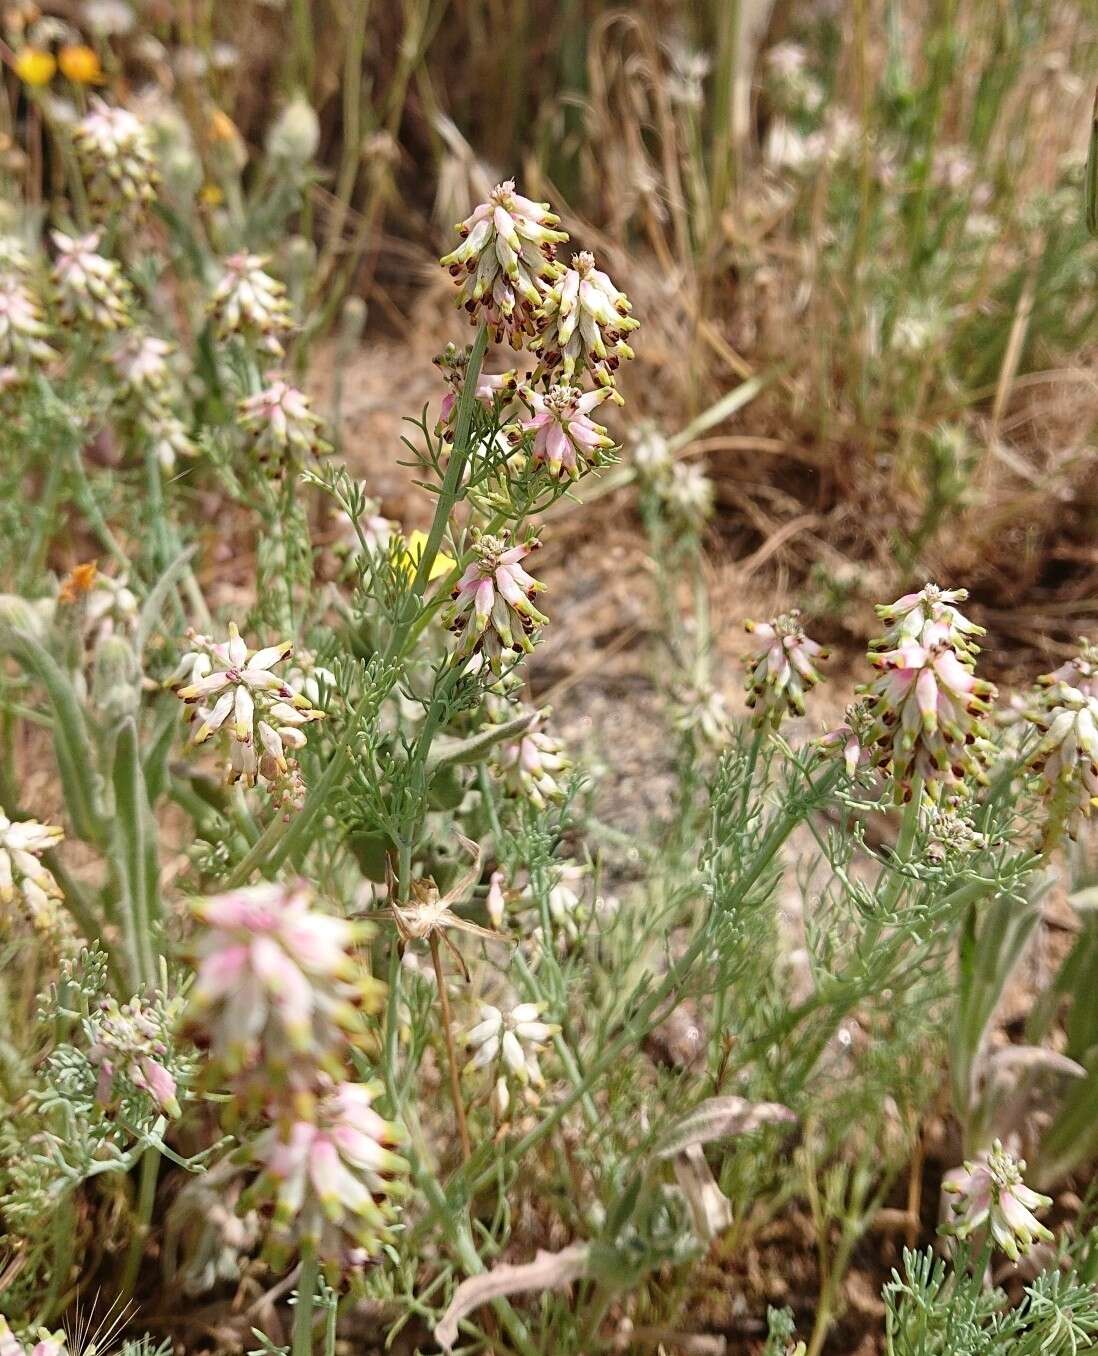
{"type": "Point", "coordinates": [80, 579]}
{"type": "Point", "coordinates": [34, 66]}
{"type": "Point", "coordinates": [80, 64]}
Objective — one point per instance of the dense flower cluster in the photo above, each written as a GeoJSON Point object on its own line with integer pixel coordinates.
{"type": "Point", "coordinates": [219, 679]}
{"type": "Point", "coordinates": [564, 436]}
{"type": "Point", "coordinates": [90, 287]}
{"type": "Point", "coordinates": [781, 669]}
{"type": "Point", "coordinates": [278, 987]}
{"type": "Point", "coordinates": [702, 711]}
{"type": "Point", "coordinates": [278, 1000]}
{"type": "Point", "coordinates": [582, 321]}
{"type": "Point", "coordinates": [532, 765]}
{"type": "Point", "coordinates": [129, 1042]}
{"type": "Point", "coordinates": [22, 875]}
{"type": "Point", "coordinates": [990, 1193]}
{"type": "Point", "coordinates": [1081, 671]}
{"type": "Point", "coordinates": [492, 606]}
{"type": "Point", "coordinates": [151, 392]}
{"type": "Point", "coordinates": [927, 704]}
{"type": "Point", "coordinates": [48, 1344]}
{"type": "Point", "coordinates": [329, 1168]}
{"type": "Point", "coordinates": [1066, 755]}
{"type": "Point", "coordinates": [24, 333]}
{"type": "Point", "coordinates": [453, 362]}
{"type": "Point", "coordinates": [849, 738]}
{"type": "Point", "coordinates": [507, 252]}
{"type": "Point", "coordinates": [116, 154]}
{"type": "Point", "coordinates": [282, 423]}
{"type": "Point", "coordinates": [249, 303]}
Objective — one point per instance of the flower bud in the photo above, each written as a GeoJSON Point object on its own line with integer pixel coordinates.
{"type": "Point", "coordinates": [295, 135]}
{"type": "Point", "coordinates": [116, 681]}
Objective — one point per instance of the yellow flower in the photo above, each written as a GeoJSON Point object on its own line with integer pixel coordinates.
{"type": "Point", "coordinates": [413, 550]}
{"type": "Point", "coordinates": [34, 66]}
{"type": "Point", "coordinates": [80, 64]}
{"type": "Point", "coordinates": [211, 195]}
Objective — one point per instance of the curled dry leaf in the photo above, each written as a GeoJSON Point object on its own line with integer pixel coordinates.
{"type": "Point", "coordinates": [548, 1271]}
{"type": "Point", "coordinates": [721, 1118]}
{"type": "Point", "coordinates": [710, 1208]}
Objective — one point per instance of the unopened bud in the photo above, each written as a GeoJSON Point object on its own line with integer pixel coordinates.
{"type": "Point", "coordinates": [295, 134]}
{"type": "Point", "coordinates": [116, 681]}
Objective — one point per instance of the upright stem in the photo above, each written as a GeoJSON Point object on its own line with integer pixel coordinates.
{"type": "Point", "coordinates": [451, 1057]}
{"type": "Point", "coordinates": [280, 837]}
{"type": "Point", "coordinates": [146, 1199]}
{"type": "Point", "coordinates": [306, 1300]}
{"type": "Point", "coordinates": [452, 480]}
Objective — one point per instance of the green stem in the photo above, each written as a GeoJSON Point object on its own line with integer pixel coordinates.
{"type": "Point", "coordinates": [302, 1341]}
{"type": "Point", "coordinates": [646, 1016]}
{"type": "Point", "coordinates": [280, 838]}
{"type": "Point", "coordinates": [146, 1199]}
{"type": "Point", "coordinates": [451, 484]}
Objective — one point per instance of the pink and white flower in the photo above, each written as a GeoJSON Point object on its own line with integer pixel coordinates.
{"type": "Point", "coordinates": [849, 738]}
{"type": "Point", "coordinates": [281, 419]}
{"type": "Point", "coordinates": [23, 329]}
{"type": "Point", "coordinates": [507, 251]}
{"type": "Point", "coordinates": [278, 987]}
{"type": "Point", "coordinates": [1080, 672]}
{"type": "Point", "coordinates": [582, 321]}
{"type": "Point", "coordinates": [492, 606]}
{"type": "Point", "coordinates": [990, 1192]}
{"type": "Point", "coordinates": [129, 1042]}
{"type": "Point", "coordinates": [219, 680]}
{"type": "Point", "coordinates": [331, 1172]}
{"type": "Point", "coordinates": [22, 875]}
{"type": "Point", "coordinates": [565, 438]}
{"type": "Point", "coordinates": [925, 708]}
{"type": "Point", "coordinates": [141, 362]}
{"type": "Point", "coordinates": [453, 362]}
{"type": "Point", "coordinates": [1066, 755]}
{"type": "Point", "coordinates": [48, 1344]}
{"type": "Point", "coordinates": [531, 766]}
{"type": "Point", "coordinates": [250, 303]}
{"type": "Point", "coordinates": [781, 669]}
{"type": "Point", "coordinates": [115, 150]}
{"type": "Point", "coordinates": [90, 287]}
{"type": "Point", "coordinates": [511, 1041]}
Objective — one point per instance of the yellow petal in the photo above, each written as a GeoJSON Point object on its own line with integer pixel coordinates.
{"type": "Point", "coordinates": [80, 64]}
{"type": "Point", "coordinates": [442, 563]}
{"type": "Point", "coordinates": [34, 66]}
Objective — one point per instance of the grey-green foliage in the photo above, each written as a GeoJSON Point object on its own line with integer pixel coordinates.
{"type": "Point", "coordinates": [934, 1307]}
